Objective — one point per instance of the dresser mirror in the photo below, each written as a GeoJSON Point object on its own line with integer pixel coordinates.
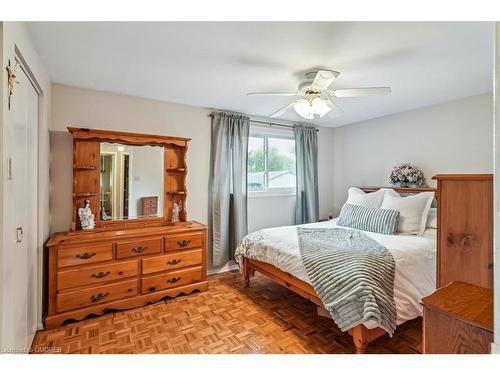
{"type": "Point", "coordinates": [131, 181]}
{"type": "Point", "coordinates": [128, 180]}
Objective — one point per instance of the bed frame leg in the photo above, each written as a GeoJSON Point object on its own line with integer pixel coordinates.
{"type": "Point", "coordinates": [360, 337]}
{"type": "Point", "coordinates": [361, 349]}
{"type": "Point", "coordinates": [247, 272]}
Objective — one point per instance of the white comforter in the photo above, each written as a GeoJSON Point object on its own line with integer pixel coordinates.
{"type": "Point", "coordinates": [415, 258]}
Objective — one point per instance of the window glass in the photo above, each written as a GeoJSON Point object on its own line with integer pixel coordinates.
{"type": "Point", "coordinates": [271, 164]}
{"type": "Point", "coordinates": [256, 164]}
{"type": "Point", "coordinates": [281, 163]}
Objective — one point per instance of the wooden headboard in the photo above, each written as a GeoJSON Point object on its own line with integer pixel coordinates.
{"type": "Point", "coordinates": [371, 189]}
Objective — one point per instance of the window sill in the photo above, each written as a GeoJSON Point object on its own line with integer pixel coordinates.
{"type": "Point", "coordinates": [270, 194]}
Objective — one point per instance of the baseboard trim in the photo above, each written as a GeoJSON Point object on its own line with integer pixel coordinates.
{"type": "Point", "coordinates": [224, 268]}
{"type": "Point", "coordinates": [495, 348]}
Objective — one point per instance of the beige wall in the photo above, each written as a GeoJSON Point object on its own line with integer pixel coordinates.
{"type": "Point", "coordinates": [102, 110]}
{"type": "Point", "coordinates": [445, 138]}
{"type": "Point", "coordinates": [15, 34]}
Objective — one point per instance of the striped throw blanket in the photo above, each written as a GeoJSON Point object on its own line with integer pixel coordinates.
{"type": "Point", "coordinates": [352, 274]}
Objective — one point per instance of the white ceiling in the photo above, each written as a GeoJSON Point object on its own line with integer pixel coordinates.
{"type": "Point", "coordinates": [214, 64]}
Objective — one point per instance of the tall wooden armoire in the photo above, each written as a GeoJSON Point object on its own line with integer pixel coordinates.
{"type": "Point", "coordinates": [465, 229]}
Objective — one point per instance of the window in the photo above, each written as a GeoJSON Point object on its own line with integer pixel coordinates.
{"type": "Point", "coordinates": [271, 164]}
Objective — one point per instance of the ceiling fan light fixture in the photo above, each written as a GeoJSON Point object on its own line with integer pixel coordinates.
{"type": "Point", "coordinates": [308, 109]}
{"type": "Point", "coordinates": [304, 109]}
{"type": "Point", "coordinates": [320, 107]}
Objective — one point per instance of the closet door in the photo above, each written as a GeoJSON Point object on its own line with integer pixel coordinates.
{"type": "Point", "coordinates": [19, 259]}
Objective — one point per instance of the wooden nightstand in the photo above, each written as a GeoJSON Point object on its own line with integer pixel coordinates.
{"type": "Point", "coordinates": [458, 319]}
{"type": "Point", "coordinates": [149, 206]}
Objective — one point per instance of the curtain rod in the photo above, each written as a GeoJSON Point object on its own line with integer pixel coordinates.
{"type": "Point", "coordinates": [274, 124]}
{"type": "Point", "coordinates": [267, 123]}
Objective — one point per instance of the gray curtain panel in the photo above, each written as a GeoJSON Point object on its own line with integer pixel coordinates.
{"type": "Point", "coordinates": [228, 184]}
{"type": "Point", "coordinates": [306, 154]}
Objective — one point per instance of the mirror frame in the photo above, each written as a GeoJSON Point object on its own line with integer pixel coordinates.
{"type": "Point", "coordinates": [86, 174]}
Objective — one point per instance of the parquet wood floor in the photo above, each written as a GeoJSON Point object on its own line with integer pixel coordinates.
{"type": "Point", "coordinates": [266, 318]}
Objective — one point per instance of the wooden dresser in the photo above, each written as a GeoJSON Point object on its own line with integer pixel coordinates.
{"type": "Point", "coordinates": [458, 319]}
{"type": "Point", "coordinates": [465, 229]}
{"type": "Point", "coordinates": [90, 273]}
{"type": "Point", "coordinates": [124, 262]}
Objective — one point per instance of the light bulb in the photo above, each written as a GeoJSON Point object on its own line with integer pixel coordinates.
{"type": "Point", "coordinates": [304, 109]}
{"type": "Point", "coordinates": [320, 107]}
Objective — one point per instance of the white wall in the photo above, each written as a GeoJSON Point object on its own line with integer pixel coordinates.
{"type": "Point", "coordinates": [266, 212]}
{"type": "Point", "coordinates": [103, 110]}
{"type": "Point", "coordinates": [15, 34]}
{"type": "Point", "coordinates": [445, 138]}
{"type": "Point", "coordinates": [146, 177]}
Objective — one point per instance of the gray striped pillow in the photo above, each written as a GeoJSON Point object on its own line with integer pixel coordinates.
{"type": "Point", "coordinates": [378, 220]}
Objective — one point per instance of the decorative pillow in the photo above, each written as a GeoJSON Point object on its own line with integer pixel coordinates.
{"type": "Point", "coordinates": [413, 210]}
{"type": "Point", "coordinates": [360, 198]}
{"type": "Point", "coordinates": [432, 220]}
{"type": "Point", "coordinates": [371, 219]}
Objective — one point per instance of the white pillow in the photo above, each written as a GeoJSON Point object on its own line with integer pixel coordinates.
{"type": "Point", "coordinates": [432, 220]}
{"type": "Point", "coordinates": [413, 210]}
{"type": "Point", "coordinates": [360, 198]}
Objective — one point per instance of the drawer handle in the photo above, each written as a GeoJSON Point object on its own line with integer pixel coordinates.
{"type": "Point", "coordinates": [98, 297]}
{"type": "Point", "coordinates": [152, 289]}
{"type": "Point", "coordinates": [100, 275]}
{"type": "Point", "coordinates": [183, 243]}
{"type": "Point", "coordinates": [85, 255]}
{"type": "Point", "coordinates": [173, 262]}
{"type": "Point", "coordinates": [139, 249]}
{"type": "Point", "coordinates": [173, 280]}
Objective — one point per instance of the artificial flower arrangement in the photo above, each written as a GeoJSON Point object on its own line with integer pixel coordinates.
{"type": "Point", "coordinates": [407, 175]}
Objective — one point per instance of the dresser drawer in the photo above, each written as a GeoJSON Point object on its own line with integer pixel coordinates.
{"type": "Point", "coordinates": [96, 274]}
{"type": "Point", "coordinates": [186, 241]}
{"type": "Point", "coordinates": [96, 295]}
{"type": "Point", "coordinates": [74, 256]}
{"type": "Point", "coordinates": [172, 279]}
{"type": "Point", "coordinates": [172, 261]}
{"type": "Point", "coordinates": [138, 247]}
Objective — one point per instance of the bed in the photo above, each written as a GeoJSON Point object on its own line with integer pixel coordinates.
{"type": "Point", "coordinates": [275, 254]}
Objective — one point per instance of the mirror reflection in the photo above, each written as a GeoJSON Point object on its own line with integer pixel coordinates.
{"type": "Point", "coordinates": [131, 181]}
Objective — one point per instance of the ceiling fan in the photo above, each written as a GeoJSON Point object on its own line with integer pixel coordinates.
{"type": "Point", "coordinates": [315, 93]}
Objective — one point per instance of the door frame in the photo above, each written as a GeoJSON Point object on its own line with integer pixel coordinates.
{"type": "Point", "coordinates": [495, 346]}
{"type": "Point", "coordinates": [39, 240]}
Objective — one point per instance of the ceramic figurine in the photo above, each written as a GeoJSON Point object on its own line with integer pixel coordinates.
{"type": "Point", "coordinates": [176, 209]}
{"type": "Point", "coordinates": [86, 216]}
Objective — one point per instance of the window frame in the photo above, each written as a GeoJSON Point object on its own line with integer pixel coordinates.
{"type": "Point", "coordinates": [265, 134]}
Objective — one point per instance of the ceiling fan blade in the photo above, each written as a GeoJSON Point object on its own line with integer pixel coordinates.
{"type": "Point", "coordinates": [323, 79]}
{"type": "Point", "coordinates": [289, 93]}
{"type": "Point", "coordinates": [363, 91]}
{"type": "Point", "coordinates": [334, 107]}
{"type": "Point", "coordinates": [282, 111]}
